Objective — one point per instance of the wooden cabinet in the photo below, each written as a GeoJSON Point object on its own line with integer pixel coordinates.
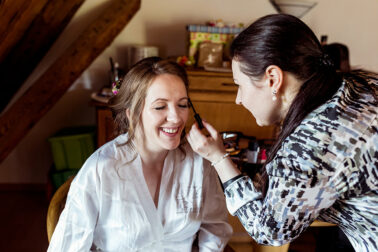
{"type": "Point", "coordinates": [105, 123]}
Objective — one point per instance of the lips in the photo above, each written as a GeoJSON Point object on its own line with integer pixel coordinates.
{"type": "Point", "coordinates": [170, 131]}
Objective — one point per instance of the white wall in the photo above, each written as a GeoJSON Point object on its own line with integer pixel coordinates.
{"type": "Point", "coordinates": [162, 23]}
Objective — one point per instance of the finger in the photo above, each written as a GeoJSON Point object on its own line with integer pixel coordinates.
{"type": "Point", "coordinates": [191, 139]}
{"type": "Point", "coordinates": [213, 132]}
{"type": "Point", "coordinates": [194, 126]}
{"type": "Point", "coordinates": [193, 142]}
{"type": "Point", "coordinates": [196, 133]}
{"type": "Point", "coordinates": [188, 138]}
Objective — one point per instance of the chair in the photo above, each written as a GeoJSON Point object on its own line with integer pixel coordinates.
{"type": "Point", "coordinates": [57, 204]}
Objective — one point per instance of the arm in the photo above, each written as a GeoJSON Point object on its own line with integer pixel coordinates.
{"type": "Point", "coordinates": [215, 230]}
{"type": "Point", "coordinates": [289, 207]}
{"type": "Point", "coordinates": [74, 231]}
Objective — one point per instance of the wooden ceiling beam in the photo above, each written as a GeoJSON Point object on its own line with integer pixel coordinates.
{"type": "Point", "coordinates": [31, 47]}
{"type": "Point", "coordinates": [15, 18]}
{"type": "Point", "coordinates": [16, 122]}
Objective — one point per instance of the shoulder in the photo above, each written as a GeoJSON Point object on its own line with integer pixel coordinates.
{"type": "Point", "coordinates": [364, 76]}
{"type": "Point", "coordinates": [330, 133]}
{"type": "Point", "coordinates": [104, 158]}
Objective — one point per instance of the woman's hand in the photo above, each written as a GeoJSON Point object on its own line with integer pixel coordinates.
{"type": "Point", "coordinates": [209, 147]}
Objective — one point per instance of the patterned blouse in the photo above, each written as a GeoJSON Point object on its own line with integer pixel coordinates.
{"type": "Point", "coordinates": [326, 169]}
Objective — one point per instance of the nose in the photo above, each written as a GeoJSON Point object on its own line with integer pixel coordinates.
{"type": "Point", "coordinates": [238, 100]}
{"type": "Point", "coordinates": [173, 115]}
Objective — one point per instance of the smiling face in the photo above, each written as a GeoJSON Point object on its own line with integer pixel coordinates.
{"type": "Point", "coordinates": [256, 96]}
{"type": "Point", "coordinates": [165, 113]}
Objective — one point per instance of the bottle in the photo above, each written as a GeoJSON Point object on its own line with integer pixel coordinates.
{"type": "Point", "coordinates": [115, 73]}
{"type": "Point", "coordinates": [261, 156]}
{"type": "Point", "coordinates": [252, 151]}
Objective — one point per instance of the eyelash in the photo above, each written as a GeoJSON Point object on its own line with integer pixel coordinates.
{"type": "Point", "coordinates": [181, 106]}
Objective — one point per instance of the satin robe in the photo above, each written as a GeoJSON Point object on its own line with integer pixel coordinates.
{"type": "Point", "coordinates": [109, 207]}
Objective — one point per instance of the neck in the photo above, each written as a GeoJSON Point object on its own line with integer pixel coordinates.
{"type": "Point", "coordinates": [149, 157]}
{"type": "Point", "coordinates": [289, 92]}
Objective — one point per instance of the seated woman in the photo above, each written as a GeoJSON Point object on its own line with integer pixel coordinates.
{"type": "Point", "coordinates": [146, 190]}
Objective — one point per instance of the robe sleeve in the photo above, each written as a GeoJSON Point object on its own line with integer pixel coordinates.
{"type": "Point", "coordinates": [215, 231]}
{"type": "Point", "coordinates": [75, 228]}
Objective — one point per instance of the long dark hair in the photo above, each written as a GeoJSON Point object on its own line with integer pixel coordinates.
{"type": "Point", "coordinates": [287, 42]}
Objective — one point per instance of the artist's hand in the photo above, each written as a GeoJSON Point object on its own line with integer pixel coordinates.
{"type": "Point", "coordinates": [209, 147]}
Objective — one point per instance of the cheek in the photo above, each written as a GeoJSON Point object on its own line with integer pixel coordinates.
{"type": "Point", "coordinates": [185, 115]}
{"type": "Point", "coordinates": [249, 98]}
{"type": "Point", "coordinates": [152, 118]}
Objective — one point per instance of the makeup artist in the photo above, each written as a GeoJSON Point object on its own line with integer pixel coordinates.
{"type": "Point", "coordinates": [324, 163]}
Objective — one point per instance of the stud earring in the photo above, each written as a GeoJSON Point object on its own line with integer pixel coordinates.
{"type": "Point", "coordinates": [274, 95]}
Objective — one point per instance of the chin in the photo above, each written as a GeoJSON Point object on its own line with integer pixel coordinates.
{"type": "Point", "coordinates": [260, 123]}
{"type": "Point", "coordinates": [171, 146]}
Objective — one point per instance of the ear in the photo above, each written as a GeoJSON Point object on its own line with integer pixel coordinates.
{"type": "Point", "coordinates": [274, 76]}
{"type": "Point", "coordinates": [128, 114]}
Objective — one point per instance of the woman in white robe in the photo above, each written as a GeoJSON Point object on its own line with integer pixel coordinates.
{"type": "Point", "coordinates": [146, 190]}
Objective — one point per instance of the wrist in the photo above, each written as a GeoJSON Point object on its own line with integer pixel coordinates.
{"type": "Point", "coordinates": [220, 159]}
{"type": "Point", "coordinates": [226, 169]}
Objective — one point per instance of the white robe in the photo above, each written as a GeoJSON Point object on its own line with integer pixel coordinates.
{"type": "Point", "coordinates": [109, 207]}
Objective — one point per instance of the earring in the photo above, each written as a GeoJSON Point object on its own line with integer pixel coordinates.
{"type": "Point", "coordinates": [274, 95]}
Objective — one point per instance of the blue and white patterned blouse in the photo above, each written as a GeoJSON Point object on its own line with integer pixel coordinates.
{"type": "Point", "coordinates": [326, 169]}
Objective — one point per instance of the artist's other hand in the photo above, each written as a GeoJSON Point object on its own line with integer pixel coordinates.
{"type": "Point", "coordinates": [209, 147]}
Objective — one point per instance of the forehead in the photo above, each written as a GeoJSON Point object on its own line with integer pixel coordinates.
{"type": "Point", "coordinates": [237, 73]}
{"type": "Point", "coordinates": [166, 86]}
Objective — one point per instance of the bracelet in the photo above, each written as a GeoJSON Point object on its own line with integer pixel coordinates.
{"type": "Point", "coordinates": [221, 159]}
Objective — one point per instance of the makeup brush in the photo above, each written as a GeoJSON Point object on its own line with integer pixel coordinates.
{"type": "Point", "coordinates": [196, 116]}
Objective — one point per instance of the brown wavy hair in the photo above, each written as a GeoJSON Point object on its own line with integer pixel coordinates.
{"type": "Point", "coordinates": [133, 91]}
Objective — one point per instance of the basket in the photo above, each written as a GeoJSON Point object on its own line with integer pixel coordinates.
{"type": "Point", "coordinates": [70, 147]}
{"type": "Point", "coordinates": [59, 177]}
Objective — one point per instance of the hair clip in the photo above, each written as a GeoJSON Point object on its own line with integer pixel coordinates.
{"type": "Point", "coordinates": [116, 86]}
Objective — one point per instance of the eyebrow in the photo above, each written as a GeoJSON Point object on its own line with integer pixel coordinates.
{"type": "Point", "coordinates": [164, 100]}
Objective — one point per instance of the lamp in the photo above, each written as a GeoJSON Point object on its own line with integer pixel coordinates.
{"type": "Point", "coordinates": [293, 7]}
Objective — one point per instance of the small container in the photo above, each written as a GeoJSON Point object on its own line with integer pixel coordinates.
{"type": "Point", "coordinates": [252, 152]}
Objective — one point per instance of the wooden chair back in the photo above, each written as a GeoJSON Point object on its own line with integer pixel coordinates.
{"type": "Point", "coordinates": [56, 206]}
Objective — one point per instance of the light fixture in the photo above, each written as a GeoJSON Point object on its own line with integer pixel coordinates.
{"type": "Point", "coordinates": [293, 7]}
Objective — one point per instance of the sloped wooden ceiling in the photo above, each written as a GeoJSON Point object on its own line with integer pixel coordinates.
{"type": "Point", "coordinates": [27, 31]}
{"type": "Point", "coordinates": [28, 28]}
